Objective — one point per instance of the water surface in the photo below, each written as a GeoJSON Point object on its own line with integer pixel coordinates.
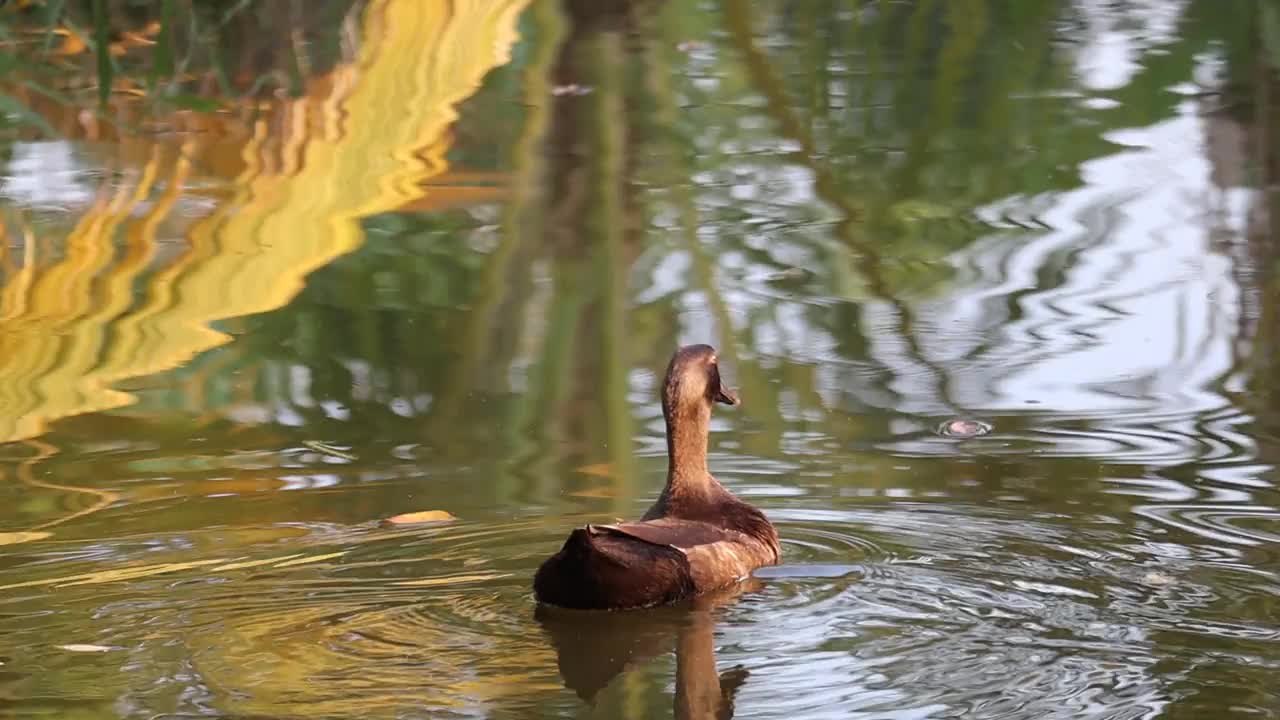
{"type": "Point", "coordinates": [276, 286]}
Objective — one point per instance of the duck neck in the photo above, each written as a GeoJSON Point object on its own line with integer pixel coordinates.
{"type": "Point", "coordinates": [687, 431]}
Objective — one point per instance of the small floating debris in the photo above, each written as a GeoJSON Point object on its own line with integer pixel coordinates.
{"type": "Point", "coordinates": [424, 516]}
{"type": "Point", "coordinates": [329, 450]}
{"type": "Point", "coordinates": [571, 90]}
{"type": "Point", "coordinates": [85, 648]}
{"type": "Point", "coordinates": [789, 276]}
{"type": "Point", "coordinates": [964, 428]}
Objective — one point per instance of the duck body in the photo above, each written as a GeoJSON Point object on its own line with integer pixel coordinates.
{"type": "Point", "coordinates": [696, 538]}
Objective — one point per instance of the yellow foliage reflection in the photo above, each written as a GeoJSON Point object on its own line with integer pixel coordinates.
{"type": "Point", "coordinates": [117, 304]}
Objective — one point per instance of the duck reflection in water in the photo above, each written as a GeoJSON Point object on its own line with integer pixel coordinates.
{"type": "Point", "coordinates": [595, 647]}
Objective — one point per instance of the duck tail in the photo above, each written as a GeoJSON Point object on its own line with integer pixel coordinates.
{"type": "Point", "coordinates": [598, 570]}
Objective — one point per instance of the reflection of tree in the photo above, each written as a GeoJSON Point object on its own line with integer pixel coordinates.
{"type": "Point", "coordinates": [361, 144]}
{"type": "Point", "coordinates": [913, 116]}
{"type": "Point", "coordinates": [678, 196]}
{"type": "Point", "coordinates": [1242, 141]}
{"type": "Point", "coordinates": [917, 117]}
{"type": "Point", "coordinates": [511, 334]}
{"type": "Point", "coordinates": [191, 48]}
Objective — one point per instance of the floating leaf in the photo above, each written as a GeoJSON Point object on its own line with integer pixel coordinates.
{"type": "Point", "coordinates": [85, 648]}
{"type": "Point", "coordinates": [424, 516]}
{"type": "Point", "coordinates": [789, 276]}
{"type": "Point", "coordinates": [13, 538]}
{"type": "Point", "coordinates": [323, 448]}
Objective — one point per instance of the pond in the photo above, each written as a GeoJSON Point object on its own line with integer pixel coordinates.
{"type": "Point", "coordinates": [997, 283]}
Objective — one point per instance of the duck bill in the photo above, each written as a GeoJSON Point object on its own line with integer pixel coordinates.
{"type": "Point", "coordinates": [726, 396]}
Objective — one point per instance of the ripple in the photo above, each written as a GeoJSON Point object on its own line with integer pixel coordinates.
{"type": "Point", "coordinates": [951, 601]}
{"type": "Point", "coordinates": [898, 629]}
{"type": "Point", "coordinates": [811, 552]}
{"type": "Point", "coordinates": [1150, 438]}
{"type": "Point", "coordinates": [1219, 523]}
{"type": "Point", "coordinates": [367, 623]}
{"type": "Point", "coordinates": [815, 544]}
{"type": "Point", "coordinates": [897, 608]}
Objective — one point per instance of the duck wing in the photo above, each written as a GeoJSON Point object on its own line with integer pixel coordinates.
{"type": "Point", "coordinates": [716, 556]}
{"type": "Point", "coordinates": [683, 535]}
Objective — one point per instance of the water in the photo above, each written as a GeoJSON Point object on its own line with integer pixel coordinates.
{"type": "Point", "coordinates": [415, 256]}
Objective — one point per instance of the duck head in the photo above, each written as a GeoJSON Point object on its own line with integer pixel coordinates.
{"type": "Point", "coordinates": [693, 382]}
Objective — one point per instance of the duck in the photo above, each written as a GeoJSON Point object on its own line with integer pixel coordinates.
{"type": "Point", "coordinates": [697, 537]}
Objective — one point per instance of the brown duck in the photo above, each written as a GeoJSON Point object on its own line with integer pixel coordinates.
{"type": "Point", "coordinates": [696, 538]}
